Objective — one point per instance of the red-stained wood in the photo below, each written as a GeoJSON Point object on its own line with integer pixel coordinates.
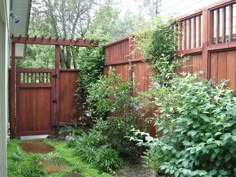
{"type": "Point", "coordinates": [225, 46]}
{"type": "Point", "coordinates": [231, 69]}
{"type": "Point", "coordinates": [190, 51]}
{"type": "Point", "coordinates": [185, 35]}
{"type": "Point", "coordinates": [180, 33]}
{"type": "Point", "coordinates": [68, 85]}
{"type": "Point", "coordinates": [217, 19]}
{"type": "Point", "coordinates": [13, 92]}
{"type": "Point", "coordinates": [196, 62]}
{"type": "Point", "coordinates": [189, 33]}
{"type": "Point", "coordinates": [214, 67]}
{"type": "Point", "coordinates": [122, 71]}
{"type": "Point", "coordinates": [205, 41]}
{"type": "Point", "coordinates": [230, 23]}
{"type": "Point", "coordinates": [49, 41]}
{"type": "Point", "coordinates": [194, 32]}
{"type": "Point", "coordinates": [142, 73]}
{"type": "Point", "coordinates": [223, 25]}
{"type": "Point", "coordinates": [57, 85]}
{"type": "Point", "coordinates": [34, 103]}
{"type": "Point", "coordinates": [222, 66]}
{"type": "Point", "coordinates": [199, 31]}
{"type": "Point", "coordinates": [211, 28]}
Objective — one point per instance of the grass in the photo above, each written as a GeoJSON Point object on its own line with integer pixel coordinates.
{"type": "Point", "coordinates": [22, 164]}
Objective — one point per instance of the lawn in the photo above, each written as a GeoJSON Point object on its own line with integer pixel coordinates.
{"type": "Point", "coordinates": [22, 164]}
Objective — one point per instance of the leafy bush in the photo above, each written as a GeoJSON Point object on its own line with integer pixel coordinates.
{"type": "Point", "coordinates": [108, 94]}
{"type": "Point", "coordinates": [114, 112]}
{"type": "Point", "coordinates": [197, 120]}
{"type": "Point", "coordinates": [114, 118]}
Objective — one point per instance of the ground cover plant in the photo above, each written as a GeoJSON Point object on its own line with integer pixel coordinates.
{"type": "Point", "coordinates": [22, 164]}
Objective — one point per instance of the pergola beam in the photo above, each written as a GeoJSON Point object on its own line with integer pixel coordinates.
{"type": "Point", "coordinates": [56, 41]}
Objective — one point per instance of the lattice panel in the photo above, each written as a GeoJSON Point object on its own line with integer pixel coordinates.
{"type": "Point", "coordinates": [35, 77]}
{"type": "Point", "coordinates": [223, 24]}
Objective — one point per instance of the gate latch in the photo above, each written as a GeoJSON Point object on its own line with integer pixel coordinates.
{"type": "Point", "coordinates": [54, 101]}
{"type": "Point", "coordinates": [54, 76]}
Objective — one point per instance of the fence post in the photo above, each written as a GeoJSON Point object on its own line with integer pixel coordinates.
{"type": "Point", "coordinates": [13, 92]}
{"type": "Point", "coordinates": [131, 78]}
{"type": "Point", "coordinates": [206, 37]}
{"type": "Point", "coordinates": [57, 72]}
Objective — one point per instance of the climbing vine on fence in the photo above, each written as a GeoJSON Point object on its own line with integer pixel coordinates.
{"type": "Point", "coordinates": [157, 43]}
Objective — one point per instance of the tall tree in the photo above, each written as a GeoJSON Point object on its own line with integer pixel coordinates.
{"type": "Point", "coordinates": [66, 19]}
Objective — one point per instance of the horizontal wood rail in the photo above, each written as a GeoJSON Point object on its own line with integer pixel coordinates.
{"type": "Point", "coordinates": [56, 41]}
{"type": "Point", "coordinates": [117, 62]}
{"type": "Point", "coordinates": [33, 85]}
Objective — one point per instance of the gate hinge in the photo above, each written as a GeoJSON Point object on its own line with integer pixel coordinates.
{"type": "Point", "coordinates": [54, 101]}
{"type": "Point", "coordinates": [54, 76]}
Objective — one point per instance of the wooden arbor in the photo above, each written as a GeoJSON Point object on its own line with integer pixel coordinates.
{"type": "Point", "coordinates": [51, 79]}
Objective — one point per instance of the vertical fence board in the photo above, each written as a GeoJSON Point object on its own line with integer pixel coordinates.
{"type": "Point", "coordinates": [214, 66]}
{"type": "Point", "coordinates": [231, 69]}
{"type": "Point", "coordinates": [222, 66]}
{"type": "Point", "coordinates": [67, 106]}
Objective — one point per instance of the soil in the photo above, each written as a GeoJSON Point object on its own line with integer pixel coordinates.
{"type": "Point", "coordinates": [135, 169]}
{"type": "Point", "coordinates": [36, 146]}
{"type": "Point", "coordinates": [73, 174]}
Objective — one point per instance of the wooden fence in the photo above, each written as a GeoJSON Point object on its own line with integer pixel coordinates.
{"type": "Point", "coordinates": [36, 100]}
{"type": "Point", "coordinates": [208, 36]}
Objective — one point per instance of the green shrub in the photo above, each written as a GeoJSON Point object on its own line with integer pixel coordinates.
{"type": "Point", "coordinates": [108, 94]}
{"type": "Point", "coordinates": [197, 119]}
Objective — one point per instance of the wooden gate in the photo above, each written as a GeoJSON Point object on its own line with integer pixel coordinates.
{"type": "Point", "coordinates": [35, 101]}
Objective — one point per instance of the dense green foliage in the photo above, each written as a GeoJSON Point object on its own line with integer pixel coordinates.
{"type": "Point", "coordinates": [108, 94]}
{"type": "Point", "coordinates": [22, 164]}
{"type": "Point", "coordinates": [197, 119]}
{"type": "Point", "coordinates": [114, 117]}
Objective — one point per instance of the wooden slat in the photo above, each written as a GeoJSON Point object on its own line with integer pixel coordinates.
{"type": "Point", "coordinates": [118, 62]}
{"type": "Point", "coordinates": [231, 69]}
{"type": "Point", "coordinates": [217, 26]}
{"type": "Point", "coordinates": [230, 23]}
{"type": "Point", "coordinates": [214, 66]}
{"type": "Point", "coordinates": [222, 66]}
{"type": "Point", "coordinates": [190, 51]}
{"type": "Point", "coordinates": [32, 70]}
{"type": "Point", "coordinates": [205, 42]}
{"type": "Point", "coordinates": [194, 32]}
{"type": "Point", "coordinates": [185, 35]}
{"type": "Point", "coordinates": [68, 111]}
{"type": "Point", "coordinates": [223, 24]}
{"type": "Point", "coordinates": [199, 31]}
{"type": "Point", "coordinates": [226, 46]}
{"type": "Point", "coordinates": [34, 110]}
{"type": "Point", "coordinates": [189, 33]}
{"type": "Point", "coordinates": [34, 85]}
